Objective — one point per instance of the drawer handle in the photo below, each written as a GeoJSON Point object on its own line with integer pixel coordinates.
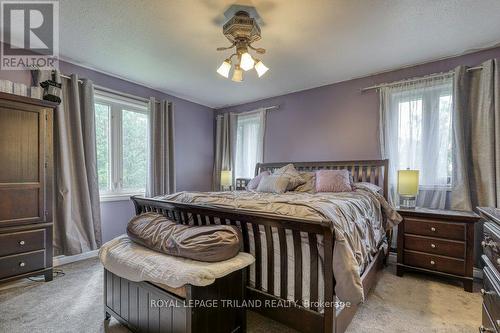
{"type": "Point", "coordinates": [489, 244]}
{"type": "Point", "coordinates": [433, 229]}
{"type": "Point", "coordinates": [21, 243]}
{"type": "Point", "coordinates": [22, 264]}
{"type": "Point", "coordinates": [484, 329]}
{"type": "Point", "coordinates": [432, 262]}
{"type": "Point", "coordinates": [433, 246]}
{"type": "Point", "coordinates": [484, 292]}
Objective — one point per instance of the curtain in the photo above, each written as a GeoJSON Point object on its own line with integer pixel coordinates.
{"type": "Point", "coordinates": [415, 133]}
{"type": "Point", "coordinates": [224, 146]}
{"type": "Point", "coordinates": [161, 166]}
{"type": "Point", "coordinates": [77, 225]}
{"type": "Point", "coordinates": [477, 133]}
{"type": "Point", "coordinates": [249, 151]}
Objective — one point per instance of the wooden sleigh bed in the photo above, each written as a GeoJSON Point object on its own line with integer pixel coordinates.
{"type": "Point", "coordinates": [304, 319]}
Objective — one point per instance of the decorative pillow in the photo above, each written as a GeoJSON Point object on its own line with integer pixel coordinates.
{"type": "Point", "coordinates": [293, 175]}
{"type": "Point", "coordinates": [310, 185]}
{"type": "Point", "coordinates": [333, 181]}
{"type": "Point", "coordinates": [209, 243]}
{"type": "Point", "coordinates": [252, 185]}
{"type": "Point", "coordinates": [273, 184]}
{"type": "Point", "coordinates": [369, 187]}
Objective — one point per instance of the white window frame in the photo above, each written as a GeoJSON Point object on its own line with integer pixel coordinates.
{"type": "Point", "coordinates": [116, 105]}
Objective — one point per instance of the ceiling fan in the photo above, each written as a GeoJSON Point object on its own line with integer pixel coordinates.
{"type": "Point", "coordinates": [242, 30]}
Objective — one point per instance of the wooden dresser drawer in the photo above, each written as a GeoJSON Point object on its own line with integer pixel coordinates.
{"type": "Point", "coordinates": [434, 262]}
{"type": "Point", "coordinates": [491, 243]}
{"type": "Point", "coordinates": [22, 241]}
{"type": "Point", "coordinates": [491, 296]}
{"type": "Point", "coordinates": [432, 228]}
{"type": "Point", "coordinates": [22, 263]}
{"type": "Point", "coordinates": [449, 248]}
{"type": "Point", "coordinates": [487, 323]}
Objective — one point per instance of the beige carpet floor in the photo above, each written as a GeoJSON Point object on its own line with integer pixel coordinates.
{"type": "Point", "coordinates": [74, 303]}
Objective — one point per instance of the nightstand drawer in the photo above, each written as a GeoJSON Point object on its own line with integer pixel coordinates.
{"type": "Point", "coordinates": [433, 228]}
{"type": "Point", "coordinates": [23, 241]}
{"type": "Point", "coordinates": [434, 262]}
{"type": "Point", "coordinates": [22, 263]}
{"type": "Point", "coordinates": [432, 245]}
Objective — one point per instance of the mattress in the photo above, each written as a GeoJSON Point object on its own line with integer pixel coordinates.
{"type": "Point", "coordinates": [359, 219]}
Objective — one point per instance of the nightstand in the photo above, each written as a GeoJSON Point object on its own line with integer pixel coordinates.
{"type": "Point", "coordinates": [439, 242]}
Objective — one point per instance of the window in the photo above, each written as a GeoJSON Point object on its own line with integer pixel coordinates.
{"type": "Point", "coordinates": [417, 130]}
{"type": "Point", "coordinates": [249, 143]}
{"type": "Point", "coordinates": [122, 144]}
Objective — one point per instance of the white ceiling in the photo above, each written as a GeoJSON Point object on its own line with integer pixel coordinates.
{"type": "Point", "coordinates": [170, 45]}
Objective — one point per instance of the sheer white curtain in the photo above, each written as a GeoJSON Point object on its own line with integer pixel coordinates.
{"type": "Point", "coordinates": [415, 127]}
{"type": "Point", "coordinates": [250, 130]}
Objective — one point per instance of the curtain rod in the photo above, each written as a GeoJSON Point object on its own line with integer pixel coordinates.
{"type": "Point", "coordinates": [268, 108]}
{"type": "Point", "coordinates": [423, 78]}
{"type": "Point", "coordinates": [112, 91]}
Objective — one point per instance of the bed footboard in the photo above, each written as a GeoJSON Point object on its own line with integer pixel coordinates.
{"type": "Point", "coordinates": [258, 230]}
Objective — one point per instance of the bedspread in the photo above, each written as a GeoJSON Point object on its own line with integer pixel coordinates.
{"type": "Point", "coordinates": [359, 220]}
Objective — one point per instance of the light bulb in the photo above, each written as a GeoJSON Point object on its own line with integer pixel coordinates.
{"type": "Point", "coordinates": [260, 68]}
{"type": "Point", "coordinates": [237, 74]}
{"type": "Point", "coordinates": [224, 68]}
{"type": "Point", "coordinates": [246, 62]}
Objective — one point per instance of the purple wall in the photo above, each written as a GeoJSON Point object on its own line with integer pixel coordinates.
{"type": "Point", "coordinates": [338, 121]}
{"type": "Point", "coordinates": [193, 141]}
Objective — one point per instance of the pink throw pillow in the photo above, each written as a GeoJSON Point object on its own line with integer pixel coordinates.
{"type": "Point", "coordinates": [254, 183]}
{"type": "Point", "coordinates": [333, 181]}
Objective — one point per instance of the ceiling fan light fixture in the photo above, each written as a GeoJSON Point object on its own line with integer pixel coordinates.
{"type": "Point", "coordinates": [260, 68]}
{"type": "Point", "coordinates": [242, 30]}
{"type": "Point", "coordinates": [224, 68]}
{"type": "Point", "coordinates": [246, 62]}
{"type": "Point", "coordinates": [237, 74]}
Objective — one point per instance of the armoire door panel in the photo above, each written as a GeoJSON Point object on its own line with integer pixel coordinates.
{"type": "Point", "coordinates": [19, 145]}
{"type": "Point", "coordinates": [19, 205]}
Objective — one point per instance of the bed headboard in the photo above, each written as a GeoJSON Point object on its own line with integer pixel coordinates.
{"type": "Point", "coordinates": [372, 171]}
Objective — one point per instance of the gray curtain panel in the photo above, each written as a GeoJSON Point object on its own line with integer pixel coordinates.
{"type": "Point", "coordinates": [77, 225]}
{"type": "Point", "coordinates": [225, 142]}
{"type": "Point", "coordinates": [161, 166]}
{"type": "Point", "coordinates": [477, 137]}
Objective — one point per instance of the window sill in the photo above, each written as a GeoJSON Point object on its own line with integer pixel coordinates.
{"type": "Point", "coordinates": [118, 196]}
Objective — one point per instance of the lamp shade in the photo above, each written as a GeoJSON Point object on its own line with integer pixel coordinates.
{"type": "Point", "coordinates": [226, 178]}
{"type": "Point", "coordinates": [408, 182]}
{"type": "Point", "coordinates": [237, 74]}
{"type": "Point", "coordinates": [261, 68]}
{"type": "Point", "coordinates": [224, 68]}
{"type": "Point", "coordinates": [246, 62]}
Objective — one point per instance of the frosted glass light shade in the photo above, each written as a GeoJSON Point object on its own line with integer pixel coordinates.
{"type": "Point", "coordinates": [237, 74]}
{"type": "Point", "coordinates": [226, 178]}
{"type": "Point", "coordinates": [246, 62]}
{"type": "Point", "coordinates": [224, 68]}
{"type": "Point", "coordinates": [408, 182]}
{"type": "Point", "coordinates": [260, 68]}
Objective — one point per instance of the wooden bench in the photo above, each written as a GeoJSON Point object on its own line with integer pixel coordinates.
{"type": "Point", "coordinates": [146, 307]}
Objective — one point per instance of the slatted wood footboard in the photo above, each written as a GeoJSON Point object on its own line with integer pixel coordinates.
{"type": "Point", "coordinates": [258, 230]}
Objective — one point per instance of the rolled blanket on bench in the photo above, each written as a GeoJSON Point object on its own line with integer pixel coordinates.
{"type": "Point", "coordinates": [204, 243]}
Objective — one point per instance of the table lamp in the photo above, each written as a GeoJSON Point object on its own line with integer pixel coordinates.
{"type": "Point", "coordinates": [408, 188]}
{"type": "Point", "coordinates": [226, 179]}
